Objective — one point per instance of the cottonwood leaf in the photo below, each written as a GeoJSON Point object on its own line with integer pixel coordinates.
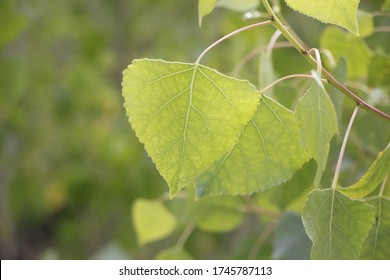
{"type": "Point", "coordinates": [375, 175]}
{"type": "Point", "coordinates": [205, 7]}
{"type": "Point", "coordinates": [352, 48]}
{"type": "Point", "coordinates": [377, 243]}
{"type": "Point", "coordinates": [187, 115]}
{"type": "Point", "coordinates": [338, 12]}
{"type": "Point", "coordinates": [336, 224]}
{"type": "Point", "coordinates": [267, 154]}
{"type": "Point", "coordinates": [152, 221]}
{"type": "Point", "coordinates": [318, 123]}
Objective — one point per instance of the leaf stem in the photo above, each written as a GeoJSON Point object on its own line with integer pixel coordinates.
{"type": "Point", "coordinates": [331, 79]}
{"type": "Point", "coordinates": [288, 77]}
{"type": "Point", "coordinates": [342, 150]}
{"type": "Point", "coordinates": [248, 27]}
{"type": "Point", "coordinates": [184, 236]}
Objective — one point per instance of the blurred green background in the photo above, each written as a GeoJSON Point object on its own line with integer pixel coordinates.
{"type": "Point", "coordinates": [70, 165]}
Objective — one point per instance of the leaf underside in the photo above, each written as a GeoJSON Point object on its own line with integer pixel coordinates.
{"type": "Point", "coordinates": [377, 172]}
{"type": "Point", "coordinates": [318, 122]}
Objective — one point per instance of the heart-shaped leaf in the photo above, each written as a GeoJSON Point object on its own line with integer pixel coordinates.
{"type": "Point", "coordinates": [187, 115]}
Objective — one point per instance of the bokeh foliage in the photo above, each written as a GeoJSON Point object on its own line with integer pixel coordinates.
{"type": "Point", "coordinates": [70, 165]}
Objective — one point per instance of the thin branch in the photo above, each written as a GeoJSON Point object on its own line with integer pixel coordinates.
{"type": "Point", "coordinates": [288, 77]}
{"type": "Point", "coordinates": [331, 79]}
{"type": "Point", "coordinates": [342, 150]}
{"type": "Point", "coordinates": [230, 35]}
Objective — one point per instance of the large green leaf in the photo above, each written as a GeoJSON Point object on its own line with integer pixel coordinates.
{"type": "Point", "coordinates": [377, 172]}
{"type": "Point", "coordinates": [205, 7]}
{"type": "Point", "coordinates": [187, 115]}
{"type": "Point", "coordinates": [352, 48]}
{"type": "Point", "coordinates": [267, 154]}
{"type": "Point", "coordinates": [318, 122]}
{"type": "Point", "coordinates": [152, 221]}
{"type": "Point", "coordinates": [338, 12]}
{"type": "Point", "coordinates": [336, 224]}
{"type": "Point", "coordinates": [377, 243]}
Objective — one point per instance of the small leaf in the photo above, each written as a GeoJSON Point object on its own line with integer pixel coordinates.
{"type": "Point", "coordinates": [352, 48]}
{"type": "Point", "coordinates": [238, 6]}
{"type": "Point", "coordinates": [187, 115]}
{"type": "Point", "coordinates": [267, 154]}
{"type": "Point", "coordinates": [173, 254]}
{"type": "Point", "coordinates": [375, 175]}
{"type": "Point", "coordinates": [318, 123]}
{"type": "Point", "coordinates": [217, 214]}
{"type": "Point", "coordinates": [152, 221]}
{"type": "Point", "coordinates": [338, 12]}
{"type": "Point", "coordinates": [336, 224]}
{"type": "Point", "coordinates": [377, 244]}
{"type": "Point", "coordinates": [205, 7]}
{"type": "Point", "coordinates": [290, 239]}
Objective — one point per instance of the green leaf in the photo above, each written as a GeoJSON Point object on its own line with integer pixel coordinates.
{"type": "Point", "coordinates": [187, 115]}
{"type": "Point", "coordinates": [318, 123]}
{"type": "Point", "coordinates": [377, 244]}
{"type": "Point", "coordinates": [338, 12]}
{"type": "Point", "coordinates": [290, 239]}
{"type": "Point", "coordinates": [336, 224]}
{"type": "Point", "coordinates": [152, 221]}
{"type": "Point", "coordinates": [267, 154]}
{"type": "Point", "coordinates": [217, 214]}
{"type": "Point", "coordinates": [173, 254]}
{"type": "Point", "coordinates": [379, 71]}
{"type": "Point", "coordinates": [352, 48]}
{"type": "Point", "coordinates": [205, 7]}
{"type": "Point", "coordinates": [375, 175]}
{"type": "Point", "coordinates": [238, 5]}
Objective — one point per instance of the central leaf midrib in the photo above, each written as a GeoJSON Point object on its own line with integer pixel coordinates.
{"type": "Point", "coordinates": [191, 89]}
